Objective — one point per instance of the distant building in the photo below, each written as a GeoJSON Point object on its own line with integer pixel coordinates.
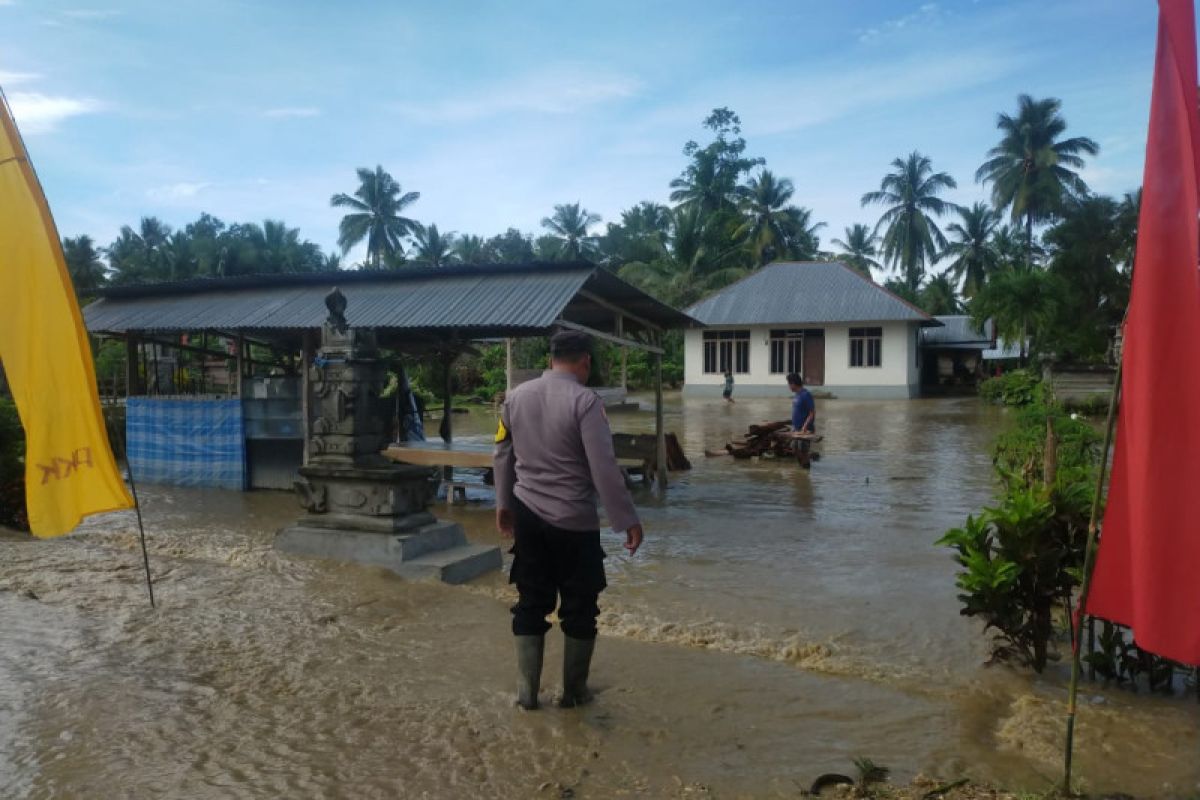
{"type": "Point", "coordinates": [960, 354]}
{"type": "Point", "coordinates": [841, 331]}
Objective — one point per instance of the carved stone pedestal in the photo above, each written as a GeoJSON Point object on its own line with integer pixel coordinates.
{"type": "Point", "coordinates": [360, 506]}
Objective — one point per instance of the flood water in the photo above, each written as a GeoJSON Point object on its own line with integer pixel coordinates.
{"type": "Point", "coordinates": [775, 625]}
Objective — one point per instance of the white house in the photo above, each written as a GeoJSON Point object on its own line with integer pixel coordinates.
{"type": "Point", "coordinates": [842, 332]}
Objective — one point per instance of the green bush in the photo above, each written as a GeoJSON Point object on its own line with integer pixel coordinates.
{"type": "Point", "coordinates": [1019, 453]}
{"type": "Point", "coordinates": [1022, 557]}
{"type": "Point", "coordinates": [1016, 388]}
{"type": "Point", "coordinates": [1020, 560]}
{"type": "Point", "coordinates": [12, 467]}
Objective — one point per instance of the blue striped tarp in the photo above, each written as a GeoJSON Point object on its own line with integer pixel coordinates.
{"type": "Point", "coordinates": [187, 441]}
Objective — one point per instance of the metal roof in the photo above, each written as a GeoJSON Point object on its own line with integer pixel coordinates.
{"type": "Point", "coordinates": [481, 300]}
{"type": "Point", "coordinates": [957, 331]}
{"type": "Point", "coordinates": [800, 292]}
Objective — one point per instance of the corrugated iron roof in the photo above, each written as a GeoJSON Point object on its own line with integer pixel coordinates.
{"type": "Point", "coordinates": [800, 292]}
{"type": "Point", "coordinates": [490, 298]}
{"type": "Point", "coordinates": [957, 329]}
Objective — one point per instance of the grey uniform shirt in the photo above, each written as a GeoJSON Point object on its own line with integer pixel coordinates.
{"type": "Point", "coordinates": [557, 455]}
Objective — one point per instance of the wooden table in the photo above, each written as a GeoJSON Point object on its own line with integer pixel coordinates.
{"type": "Point", "coordinates": [457, 454]}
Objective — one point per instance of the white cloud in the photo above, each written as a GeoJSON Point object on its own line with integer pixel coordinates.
{"type": "Point", "coordinates": [17, 78]}
{"type": "Point", "coordinates": [925, 15]}
{"type": "Point", "coordinates": [843, 90]}
{"type": "Point", "coordinates": [292, 112]}
{"type": "Point", "coordinates": [92, 13]}
{"type": "Point", "coordinates": [183, 190]}
{"type": "Point", "coordinates": [39, 113]}
{"type": "Point", "coordinates": [554, 91]}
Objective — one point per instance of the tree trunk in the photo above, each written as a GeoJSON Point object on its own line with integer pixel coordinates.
{"type": "Point", "coordinates": [1029, 240]}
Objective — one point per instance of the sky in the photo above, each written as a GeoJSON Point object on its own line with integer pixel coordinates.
{"type": "Point", "coordinates": [495, 110]}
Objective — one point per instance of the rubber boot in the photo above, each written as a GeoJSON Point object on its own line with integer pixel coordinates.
{"type": "Point", "coordinates": [529, 670]}
{"type": "Point", "coordinates": [577, 660]}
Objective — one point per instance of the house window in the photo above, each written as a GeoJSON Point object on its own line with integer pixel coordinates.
{"type": "Point", "coordinates": [725, 351]}
{"type": "Point", "coordinates": [787, 352]}
{"type": "Point", "coordinates": [866, 347]}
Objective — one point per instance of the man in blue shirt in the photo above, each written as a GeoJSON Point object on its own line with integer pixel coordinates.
{"type": "Point", "coordinates": [804, 416]}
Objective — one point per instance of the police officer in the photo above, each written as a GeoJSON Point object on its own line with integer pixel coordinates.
{"type": "Point", "coordinates": [554, 455]}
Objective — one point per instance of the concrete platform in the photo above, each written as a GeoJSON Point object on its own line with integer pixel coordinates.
{"type": "Point", "coordinates": [437, 551]}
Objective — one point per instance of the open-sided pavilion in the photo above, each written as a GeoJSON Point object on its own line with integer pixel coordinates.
{"type": "Point", "coordinates": [419, 312]}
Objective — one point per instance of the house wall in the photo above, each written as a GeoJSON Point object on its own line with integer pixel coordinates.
{"type": "Point", "coordinates": [897, 376]}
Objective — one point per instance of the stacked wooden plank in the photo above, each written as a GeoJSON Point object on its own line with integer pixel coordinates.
{"type": "Point", "coordinates": [768, 438]}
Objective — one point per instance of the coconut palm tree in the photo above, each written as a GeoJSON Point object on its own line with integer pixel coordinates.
{"type": "Point", "coordinates": [1032, 170]}
{"type": "Point", "coordinates": [859, 249]}
{"type": "Point", "coordinates": [84, 265]}
{"type": "Point", "coordinates": [1017, 301]}
{"type": "Point", "coordinates": [470, 249]}
{"type": "Point", "coordinates": [1008, 243]}
{"type": "Point", "coordinates": [911, 237]}
{"type": "Point", "coordinates": [142, 255]}
{"type": "Point", "coordinates": [1127, 225]}
{"type": "Point", "coordinates": [375, 216]}
{"type": "Point", "coordinates": [569, 225]}
{"type": "Point", "coordinates": [708, 183]}
{"type": "Point", "coordinates": [972, 249]}
{"type": "Point", "coordinates": [771, 223]}
{"type": "Point", "coordinates": [277, 247]}
{"type": "Point", "coordinates": [937, 297]}
{"type": "Point", "coordinates": [433, 248]}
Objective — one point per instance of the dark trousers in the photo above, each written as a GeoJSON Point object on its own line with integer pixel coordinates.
{"type": "Point", "coordinates": [549, 563]}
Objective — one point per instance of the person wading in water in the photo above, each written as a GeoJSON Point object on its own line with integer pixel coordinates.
{"type": "Point", "coordinates": [804, 416]}
{"type": "Point", "coordinates": [554, 455]}
{"type": "Point", "coordinates": [727, 392]}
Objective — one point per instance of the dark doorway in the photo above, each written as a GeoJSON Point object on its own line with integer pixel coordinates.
{"type": "Point", "coordinates": [814, 357]}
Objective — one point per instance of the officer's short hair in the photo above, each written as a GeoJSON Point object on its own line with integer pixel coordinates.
{"type": "Point", "coordinates": [794, 379]}
{"type": "Point", "coordinates": [570, 346]}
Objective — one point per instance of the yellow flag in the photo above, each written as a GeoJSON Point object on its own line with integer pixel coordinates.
{"type": "Point", "coordinates": [69, 467]}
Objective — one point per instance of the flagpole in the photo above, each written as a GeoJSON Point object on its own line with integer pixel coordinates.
{"type": "Point", "coordinates": [1089, 563]}
{"type": "Point", "coordinates": [137, 507]}
{"type": "Point", "coordinates": [137, 504]}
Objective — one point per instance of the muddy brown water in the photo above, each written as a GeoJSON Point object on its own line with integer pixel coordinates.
{"type": "Point", "coordinates": [776, 625]}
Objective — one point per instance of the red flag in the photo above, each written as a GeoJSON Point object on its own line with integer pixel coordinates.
{"type": "Point", "coordinates": [1148, 567]}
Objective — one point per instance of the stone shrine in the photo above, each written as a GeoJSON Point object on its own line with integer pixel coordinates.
{"type": "Point", "coordinates": [360, 506]}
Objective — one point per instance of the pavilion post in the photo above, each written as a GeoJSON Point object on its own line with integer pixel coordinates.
{"type": "Point", "coordinates": [624, 354]}
{"type": "Point", "coordinates": [306, 357]}
{"type": "Point", "coordinates": [131, 366]}
{"type": "Point", "coordinates": [508, 365]}
{"type": "Point", "coordinates": [241, 362]}
{"type": "Point", "coordinates": [447, 431]}
{"type": "Point", "coordinates": [660, 433]}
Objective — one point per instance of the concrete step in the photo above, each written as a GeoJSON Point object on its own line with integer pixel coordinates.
{"type": "Point", "coordinates": [454, 565]}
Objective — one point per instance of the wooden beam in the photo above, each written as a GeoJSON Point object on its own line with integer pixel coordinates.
{"type": "Point", "coordinates": [131, 366]}
{"type": "Point", "coordinates": [508, 365]}
{"type": "Point", "coordinates": [660, 433]}
{"type": "Point", "coordinates": [448, 414]}
{"type": "Point", "coordinates": [241, 362]}
{"type": "Point", "coordinates": [306, 359]}
{"type": "Point", "coordinates": [600, 301]}
{"type": "Point", "coordinates": [620, 322]}
{"type": "Point", "coordinates": [608, 337]}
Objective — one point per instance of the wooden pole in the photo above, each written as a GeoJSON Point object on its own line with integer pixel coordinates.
{"type": "Point", "coordinates": [306, 358]}
{"type": "Point", "coordinates": [241, 363]}
{"type": "Point", "coordinates": [1089, 563]}
{"type": "Point", "coordinates": [447, 414]}
{"type": "Point", "coordinates": [131, 366]}
{"type": "Point", "coordinates": [624, 354]}
{"type": "Point", "coordinates": [660, 433]}
{"type": "Point", "coordinates": [508, 365]}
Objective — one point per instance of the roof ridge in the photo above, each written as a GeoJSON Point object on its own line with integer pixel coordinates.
{"type": "Point", "coordinates": [884, 289]}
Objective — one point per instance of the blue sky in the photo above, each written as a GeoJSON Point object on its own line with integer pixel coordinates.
{"type": "Point", "coordinates": [495, 111]}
